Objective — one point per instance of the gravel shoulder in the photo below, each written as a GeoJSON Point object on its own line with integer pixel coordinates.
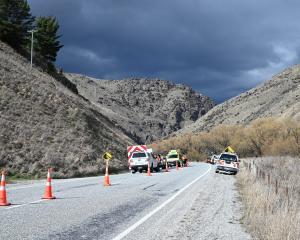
{"type": "Point", "coordinates": [210, 209]}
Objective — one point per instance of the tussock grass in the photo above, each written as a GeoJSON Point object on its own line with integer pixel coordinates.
{"type": "Point", "coordinates": [270, 192]}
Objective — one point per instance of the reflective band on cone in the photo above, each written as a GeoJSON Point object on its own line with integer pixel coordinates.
{"type": "Point", "coordinates": [48, 190]}
{"type": "Point", "coordinates": [3, 198]}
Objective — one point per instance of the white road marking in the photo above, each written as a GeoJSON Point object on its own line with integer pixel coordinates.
{"type": "Point", "coordinates": [25, 204]}
{"type": "Point", "coordinates": [142, 220]}
{"type": "Point", "coordinates": [54, 181]}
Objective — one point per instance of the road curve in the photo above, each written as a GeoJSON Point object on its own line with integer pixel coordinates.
{"type": "Point", "coordinates": [186, 204]}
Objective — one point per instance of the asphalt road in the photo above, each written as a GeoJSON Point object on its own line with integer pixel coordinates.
{"type": "Point", "coordinates": [191, 203]}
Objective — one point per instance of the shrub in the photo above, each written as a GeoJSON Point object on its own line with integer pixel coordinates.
{"type": "Point", "coordinates": [266, 136]}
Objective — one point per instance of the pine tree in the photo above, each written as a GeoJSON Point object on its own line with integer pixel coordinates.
{"type": "Point", "coordinates": [15, 21]}
{"type": "Point", "coordinates": [47, 42]}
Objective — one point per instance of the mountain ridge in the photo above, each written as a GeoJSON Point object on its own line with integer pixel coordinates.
{"type": "Point", "coordinates": [146, 109]}
{"type": "Point", "coordinates": [277, 97]}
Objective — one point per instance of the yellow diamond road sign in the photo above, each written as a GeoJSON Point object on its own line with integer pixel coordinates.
{"type": "Point", "coordinates": [107, 156]}
{"type": "Point", "coordinates": [229, 149]}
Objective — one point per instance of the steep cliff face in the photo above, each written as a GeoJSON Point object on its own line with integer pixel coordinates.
{"type": "Point", "coordinates": [146, 109]}
{"type": "Point", "coordinates": [44, 124]}
{"type": "Point", "coordinates": [278, 97]}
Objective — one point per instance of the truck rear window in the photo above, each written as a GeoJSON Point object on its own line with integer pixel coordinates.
{"type": "Point", "coordinates": [228, 157]}
{"type": "Point", "coordinates": [173, 156]}
{"type": "Point", "coordinates": [138, 155]}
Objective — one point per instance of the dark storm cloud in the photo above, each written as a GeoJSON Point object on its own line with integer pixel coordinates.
{"type": "Point", "coordinates": [218, 47]}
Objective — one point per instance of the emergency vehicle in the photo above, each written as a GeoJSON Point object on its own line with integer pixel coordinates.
{"type": "Point", "coordinates": [140, 157]}
{"type": "Point", "coordinates": [173, 157]}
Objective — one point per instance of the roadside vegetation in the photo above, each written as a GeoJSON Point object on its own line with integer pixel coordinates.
{"type": "Point", "coordinates": [16, 22]}
{"type": "Point", "coordinates": [269, 188]}
{"type": "Point", "coordinates": [264, 137]}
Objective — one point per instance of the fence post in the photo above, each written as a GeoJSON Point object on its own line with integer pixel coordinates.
{"type": "Point", "coordinates": [257, 172]}
{"type": "Point", "coordinates": [288, 197]}
{"type": "Point", "coordinates": [276, 186]}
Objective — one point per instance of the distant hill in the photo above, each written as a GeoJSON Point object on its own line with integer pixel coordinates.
{"type": "Point", "coordinates": [278, 97]}
{"type": "Point", "coordinates": [146, 109]}
{"type": "Point", "coordinates": [44, 124]}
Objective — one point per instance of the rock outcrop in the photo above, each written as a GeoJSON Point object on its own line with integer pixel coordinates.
{"type": "Point", "coordinates": [146, 109]}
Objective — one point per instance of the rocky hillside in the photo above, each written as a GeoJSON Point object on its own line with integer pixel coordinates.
{"type": "Point", "coordinates": [278, 97]}
{"type": "Point", "coordinates": [146, 109]}
{"type": "Point", "coordinates": [44, 124]}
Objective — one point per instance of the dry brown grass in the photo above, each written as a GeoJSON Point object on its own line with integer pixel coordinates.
{"type": "Point", "coordinates": [270, 193]}
{"type": "Point", "coordinates": [263, 137]}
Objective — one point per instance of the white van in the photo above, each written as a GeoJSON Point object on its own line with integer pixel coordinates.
{"type": "Point", "coordinates": [139, 160]}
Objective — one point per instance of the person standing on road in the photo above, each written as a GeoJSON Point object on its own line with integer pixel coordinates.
{"type": "Point", "coordinates": [184, 160]}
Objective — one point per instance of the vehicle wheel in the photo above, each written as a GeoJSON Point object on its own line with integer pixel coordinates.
{"type": "Point", "coordinates": [141, 170]}
{"type": "Point", "coordinates": [217, 171]}
{"type": "Point", "coordinates": [133, 171]}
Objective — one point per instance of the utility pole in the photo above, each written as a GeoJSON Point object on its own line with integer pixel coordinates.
{"type": "Point", "coordinates": [31, 52]}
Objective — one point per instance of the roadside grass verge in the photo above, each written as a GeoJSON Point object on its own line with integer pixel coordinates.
{"type": "Point", "coordinates": [270, 192]}
{"type": "Point", "coordinates": [20, 178]}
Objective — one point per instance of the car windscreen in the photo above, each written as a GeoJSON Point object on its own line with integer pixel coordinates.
{"type": "Point", "coordinates": [173, 156]}
{"type": "Point", "coordinates": [228, 157]}
{"type": "Point", "coordinates": [138, 155]}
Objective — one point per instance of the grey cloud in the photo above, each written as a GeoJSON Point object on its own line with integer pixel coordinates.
{"type": "Point", "coordinates": [215, 46]}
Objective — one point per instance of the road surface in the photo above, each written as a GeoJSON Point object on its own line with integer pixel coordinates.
{"type": "Point", "coordinates": [191, 203]}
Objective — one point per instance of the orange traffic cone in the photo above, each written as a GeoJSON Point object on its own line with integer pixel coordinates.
{"type": "Point", "coordinates": [167, 168]}
{"type": "Point", "coordinates": [3, 199]}
{"type": "Point", "coordinates": [149, 172]}
{"type": "Point", "coordinates": [106, 177]}
{"type": "Point", "coordinates": [106, 181]}
{"type": "Point", "coordinates": [177, 165]}
{"type": "Point", "coordinates": [48, 191]}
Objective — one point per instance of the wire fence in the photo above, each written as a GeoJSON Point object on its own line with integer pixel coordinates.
{"type": "Point", "coordinates": [273, 183]}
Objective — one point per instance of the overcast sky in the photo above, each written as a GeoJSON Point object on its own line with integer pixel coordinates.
{"type": "Point", "coordinates": [218, 47]}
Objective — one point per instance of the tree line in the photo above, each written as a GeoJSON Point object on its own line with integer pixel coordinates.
{"type": "Point", "coordinates": [263, 137]}
{"type": "Point", "coordinates": [16, 21]}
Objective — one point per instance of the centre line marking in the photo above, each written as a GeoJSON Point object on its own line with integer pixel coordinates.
{"type": "Point", "coordinates": [142, 220]}
{"type": "Point", "coordinates": [25, 204]}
